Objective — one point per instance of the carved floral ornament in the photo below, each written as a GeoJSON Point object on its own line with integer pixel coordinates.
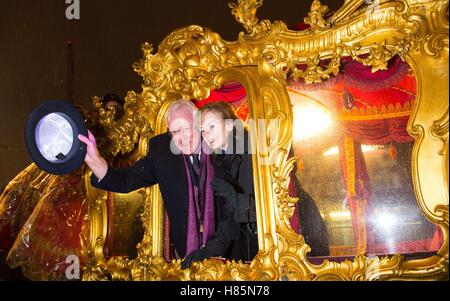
{"type": "Point", "coordinates": [193, 60]}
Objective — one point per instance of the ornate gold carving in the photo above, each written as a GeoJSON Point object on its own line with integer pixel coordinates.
{"type": "Point", "coordinates": [193, 60]}
{"type": "Point", "coordinates": [343, 14]}
{"type": "Point", "coordinates": [440, 130]}
{"type": "Point", "coordinates": [316, 17]}
{"type": "Point", "coordinates": [122, 135]}
{"type": "Point", "coordinates": [96, 270]}
{"type": "Point", "coordinates": [245, 13]}
{"type": "Point", "coordinates": [315, 73]}
{"type": "Point", "coordinates": [378, 57]}
{"type": "Point", "coordinates": [435, 43]}
{"type": "Point", "coordinates": [380, 54]}
{"type": "Point", "coordinates": [119, 269]}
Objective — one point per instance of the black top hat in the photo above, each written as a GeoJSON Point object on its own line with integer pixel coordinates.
{"type": "Point", "coordinates": [51, 137]}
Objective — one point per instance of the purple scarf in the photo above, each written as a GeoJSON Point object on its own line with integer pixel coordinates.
{"type": "Point", "coordinates": [194, 241]}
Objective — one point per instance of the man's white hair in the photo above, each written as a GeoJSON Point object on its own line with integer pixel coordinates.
{"type": "Point", "coordinates": [178, 105]}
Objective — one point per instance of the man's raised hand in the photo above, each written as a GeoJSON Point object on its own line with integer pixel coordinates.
{"type": "Point", "coordinates": [93, 159]}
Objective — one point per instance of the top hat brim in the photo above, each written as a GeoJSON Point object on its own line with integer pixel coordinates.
{"type": "Point", "coordinates": [75, 157]}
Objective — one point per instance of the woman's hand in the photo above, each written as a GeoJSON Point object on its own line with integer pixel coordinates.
{"type": "Point", "coordinates": [194, 256]}
{"type": "Point", "coordinates": [214, 247]}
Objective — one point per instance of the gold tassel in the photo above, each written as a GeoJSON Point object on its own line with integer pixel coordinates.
{"type": "Point", "coordinates": [392, 151]}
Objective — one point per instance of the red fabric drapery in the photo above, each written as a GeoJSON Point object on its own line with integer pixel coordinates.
{"type": "Point", "coordinates": [381, 131]}
{"type": "Point", "coordinates": [373, 109]}
{"type": "Point", "coordinates": [360, 198]}
{"type": "Point", "coordinates": [355, 75]}
{"type": "Point", "coordinates": [358, 190]}
{"type": "Point", "coordinates": [233, 93]}
{"type": "Point", "coordinates": [360, 76]}
{"type": "Point", "coordinates": [230, 92]}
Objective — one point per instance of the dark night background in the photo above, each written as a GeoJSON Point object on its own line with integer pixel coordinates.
{"type": "Point", "coordinates": [106, 41]}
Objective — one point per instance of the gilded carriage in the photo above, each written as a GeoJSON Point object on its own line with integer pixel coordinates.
{"type": "Point", "coordinates": [355, 104]}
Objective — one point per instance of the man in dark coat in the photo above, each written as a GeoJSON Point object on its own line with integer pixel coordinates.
{"type": "Point", "coordinates": [164, 165]}
{"type": "Point", "coordinates": [184, 177]}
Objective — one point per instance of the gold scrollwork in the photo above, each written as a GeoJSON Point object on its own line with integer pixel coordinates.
{"type": "Point", "coordinates": [316, 17]}
{"type": "Point", "coordinates": [192, 60]}
{"type": "Point", "coordinates": [245, 13]}
{"type": "Point", "coordinates": [314, 73]}
{"type": "Point", "coordinates": [440, 130]}
{"type": "Point", "coordinates": [435, 43]}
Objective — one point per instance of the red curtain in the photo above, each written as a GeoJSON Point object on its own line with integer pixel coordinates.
{"type": "Point", "coordinates": [373, 132]}
{"type": "Point", "coordinates": [358, 189]}
{"type": "Point", "coordinates": [375, 110]}
{"type": "Point", "coordinates": [380, 131]}
{"type": "Point", "coordinates": [230, 92]}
